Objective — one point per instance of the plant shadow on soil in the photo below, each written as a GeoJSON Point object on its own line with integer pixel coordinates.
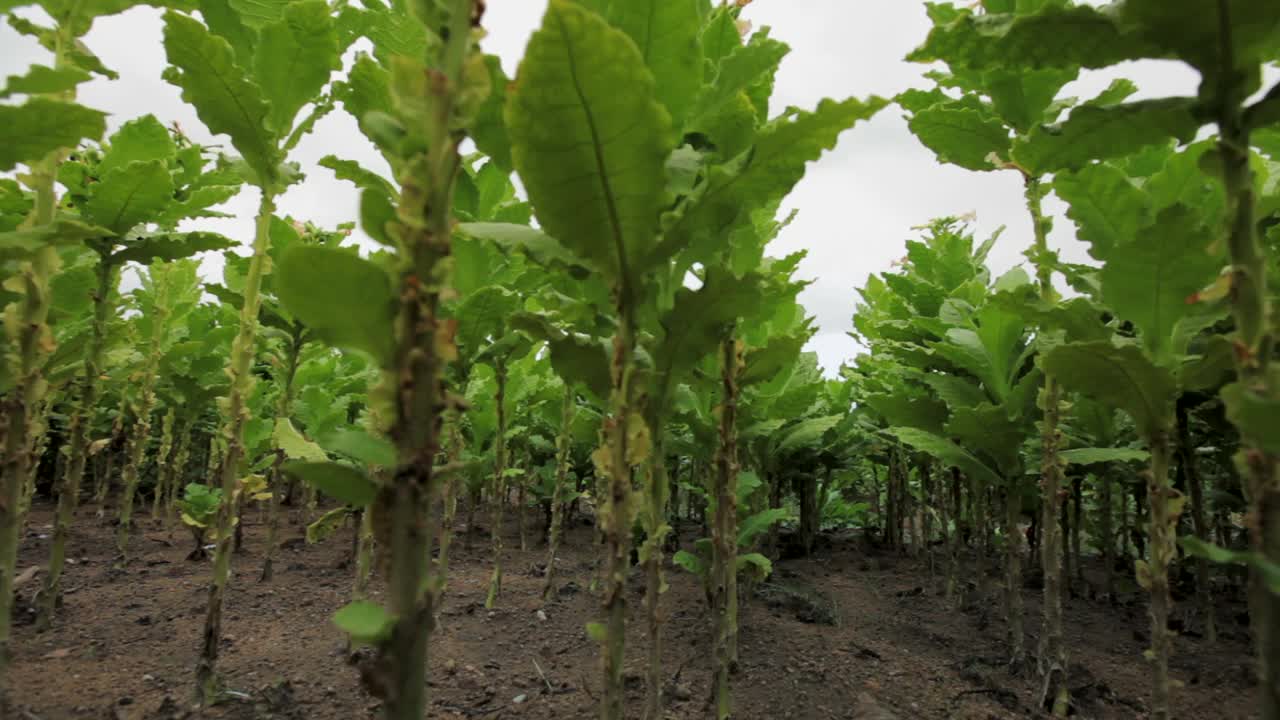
{"type": "Point", "coordinates": [853, 632]}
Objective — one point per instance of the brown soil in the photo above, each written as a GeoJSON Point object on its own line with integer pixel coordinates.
{"type": "Point", "coordinates": [124, 646]}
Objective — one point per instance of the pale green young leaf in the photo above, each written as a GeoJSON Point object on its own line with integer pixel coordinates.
{"type": "Point", "coordinates": [345, 300]}
{"type": "Point", "coordinates": [363, 446]}
{"type": "Point", "coordinates": [591, 158]}
{"type": "Point", "coordinates": [364, 621]}
{"type": "Point", "coordinates": [537, 245]}
{"type": "Point", "coordinates": [294, 445]}
{"type": "Point", "coordinates": [204, 66]}
{"type": "Point", "coordinates": [30, 131]}
{"type": "Point", "coordinates": [62, 231]}
{"type": "Point", "coordinates": [1119, 376]}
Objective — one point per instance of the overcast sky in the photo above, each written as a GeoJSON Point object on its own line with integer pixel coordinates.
{"type": "Point", "coordinates": [856, 206]}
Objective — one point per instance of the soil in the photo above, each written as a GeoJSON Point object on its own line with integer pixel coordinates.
{"type": "Point", "coordinates": [853, 632]}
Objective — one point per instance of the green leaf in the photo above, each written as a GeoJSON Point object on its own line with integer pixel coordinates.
{"type": "Point", "coordinates": [345, 300]}
{"type": "Point", "coordinates": [761, 567]}
{"type": "Point", "coordinates": [1105, 205]}
{"type": "Point", "coordinates": [948, 453]}
{"type": "Point", "coordinates": [140, 140]}
{"type": "Point", "coordinates": [690, 562]}
{"type": "Point", "coordinates": [489, 128]}
{"type": "Point", "coordinates": [482, 315]}
{"type": "Point", "coordinates": [1057, 36]}
{"type": "Point", "coordinates": [762, 364]}
{"type": "Point", "coordinates": [62, 231]}
{"type": "Point", "coordinates": [1100, 133]}
{"type": "Point", "coordinates": [956, 391]}
{"type": "Point", "coordinates": [697, 322]}
{"type": "Point", "coordinates": [43, 80]}
{"type": "Point", "coordinates": [961, 135]}
{"type": "Point", "coordinates": [591, 158]}
{"type": "Point", "coordinates": [39, 126]}
{"type": "Point", "coordinates": [361, 445]}
{"type": "Point", "coordinates": [666, 32]}
{"type": "Point", "coordinates": [807, 433]}
{"type": "Point", "coordinates": [364, 621]}
{"type": "Point", "coordinates": [1149, 280]}
{"type": "Point", "coordinates": [752, 526]}
{"type": "Point", "coordinates": [203, 65]}
{"type": "Point", "coordinates": [1092, 455]}
{"type": "Point", "coordinates": [1268, 571]}
{"type": "Point", "coordinates": [762, 175]}
{"type": "Point", "coordinates": [353, 172]}
{"type": "Point", "coordinates": [1255, 415]}
{"type": "Point", "coordinates": [130, 195]}
{"type": "Point", "coordinates": [293, 59]}
{"type": "Point", "coordinates": [327, 524]}
{"type": "Point", "coordinates": [171, 246]}
{"type": "Point", "coordinates": [1119, 376]}
{"type": "Point", "coordinates": [294, 445]}
{"type": "Point", "coordinates": [341, 482]}
{"type": "Point", "coordinates": [924, 413]}
{"type": "Point", "coordinates": [539, 246]}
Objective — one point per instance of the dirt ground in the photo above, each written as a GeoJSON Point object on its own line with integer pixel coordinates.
{"type": "Point", "coordinates": [125, 644]}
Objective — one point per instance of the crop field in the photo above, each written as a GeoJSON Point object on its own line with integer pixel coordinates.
{"type": "Point", "coordinates": [540, 429]}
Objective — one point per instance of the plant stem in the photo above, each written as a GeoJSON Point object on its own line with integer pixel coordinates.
{"type": "Point", "coordinates": [424, 346]}
{"type": "Point", "coordinates": [656, 529]}
{"type": "Point", "coordinates": [564, 443]}
{"type": "Point", "coordinates": [242, 354]}
{"type": "Point", "coordinates": [499, 498]}
{"type": "Point", "coordinates": [1254, 347]}
{"type": "Point", "coordinates": [163, 458]}
{"type": "Point", "coordinates": [1163, 521]}
{"type": "Point", "coordinates": [1191, 474]}
{"type": "Point", "coordinates": [1013, 575]}
{"type": "Point", "coordinates": [284, 410]}
{"type": "Point", "coordinates": [140, 433]}
{"type": "Point", "coordinates": [78, 443]}
{"type": "Point", "coordinates": [724, 537]}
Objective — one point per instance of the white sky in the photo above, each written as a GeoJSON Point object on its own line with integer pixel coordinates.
{"type": "Point", "coordinates": [857, 205]}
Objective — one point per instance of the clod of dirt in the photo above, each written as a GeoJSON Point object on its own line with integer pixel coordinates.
{"type": "Point", "coordinates": [868, 708]}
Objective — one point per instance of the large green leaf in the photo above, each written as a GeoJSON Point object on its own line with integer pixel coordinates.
{"type": "Point", "coordinates": [345, 300]}
{"type": "Point", "coordinates": [483, 314]}
{"type": "Point", "coordinates": [591, 158]}
{"type": "Point", "coordinates": [1105, 205]}
{"type": "Point", "coordinates": [44, 80]}
{"type": "Point", "coordinates": [539, 246]}
{"type": "Point", "coordinates": [1255, 415]}
{"type": "Point", "coordinates": [925, 413]}
{"type": "Point", "coordinates": [39, 126]}
{"type": "Point", "coordinates": [948, 453]}
{"type": "Point", "coordinates": [1119, 376]}
{"type": "Point", "coordinates": [204, 66]}
{"type": "Point", "coordinates": [62, 231]}
{"type": "Point", "coordinates": [293, 59]}
{"type": "Point", "coordinates": [139, 140]}
{"type": "Point", "coordinates": [697, 322]}
{"type": "Point", "coordinates": [1149, 280]}
{"type": "Point", "coordinates": [341, 482]}
{"type": "Point", "coordinates": [666, 32]}
{"type": "Point", "coordinates": [963, 136]}
{"type": "Point", "coordinates": [1099, 133]}
{"type": "Point", "coordinates": [807, 433]}
{"type": "Point", "coordinates": [294, 445]}
{"type": "Point", "coordinates": [130, 195]}
{"type": "Point", "coordinates": [1093, 455]}
{"type": "Point", "coordinates": [171, 246]}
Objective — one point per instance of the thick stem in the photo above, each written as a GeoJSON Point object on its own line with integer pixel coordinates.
{"type": "Point", "coordinates": [656, 529]}
{"type": "Point", "coordinates": [242, 353]}
{"type": "Point", "coordinates": [1013, 577]}
{"type": "Point", "coordinates": [164, 460]}
{"type": "Point", "coordinates": [1108, 538]}
{"type": "Point", "coordinates": [499, 497]}
{"type": "Point", "coordinates": [78, 444]}
{"type": "Point", "coordinates": [564, 443]}
{"type": "Point", "coordinates": [618, 512]}
{"type": "Point", "coordinates": [424, 346]}
{"type": "Point", "coordinates": [724, 538]}
{"type": "Point", "coordinates": [1199, 523]}
{"type": "Point", "coordinates": [1254, 347]}
{"type": "Point", "coordinates": [1160, 495]}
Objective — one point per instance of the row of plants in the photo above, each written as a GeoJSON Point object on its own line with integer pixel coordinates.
{"type": "Point", "coordinates": [615, 340]}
